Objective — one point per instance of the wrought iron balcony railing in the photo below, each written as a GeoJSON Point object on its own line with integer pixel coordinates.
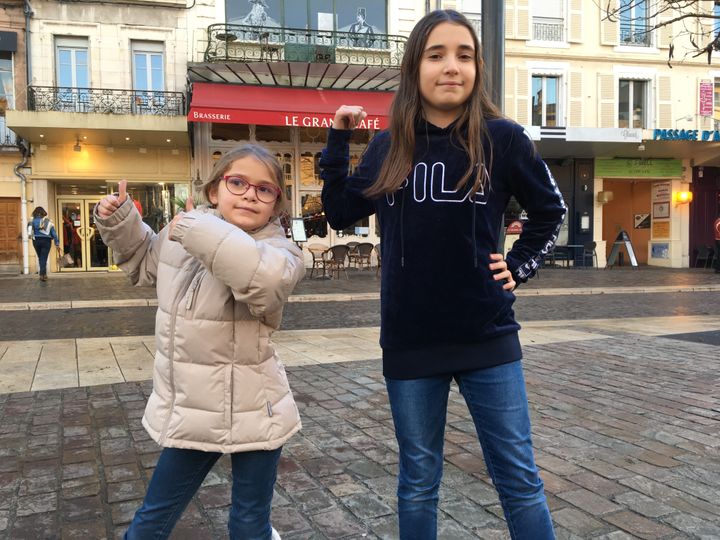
{"type": "Point", "coordinates": [546, 29]}
{"type": "Point", "coordinates": [639, 35]}
{"type": "Point", "coordinates": [233, 42]}
{"type": "Point", "coordinates": [7, 136]}
{"type": "Point", "coordinates": [106, 101]}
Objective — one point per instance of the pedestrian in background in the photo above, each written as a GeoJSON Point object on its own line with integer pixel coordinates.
{"type": "Point", "coordinates": [42, 232]}
{"type": "Point", "coordinates": [439, 180]}
{"type": "Point", "coordinates": [716, 230]}
{"type": "Point", "coordinates": [223, 274]}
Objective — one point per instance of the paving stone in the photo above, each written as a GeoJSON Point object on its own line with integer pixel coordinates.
{"type": "Point", "coordinates": [577, 522]}
{"type": "Point", "coordinates": [366, 469]}
{"type": "Point", "coordinates": [125, 491]}
{"type": "Point", "coordinates": [313, 501]}
{"type": "Point", "coordinates": [338, 524]}
{"type": "Point", "coordinates": [365, 506]}
{"type": "Point", "coordinates": [288, 520]}
{"type": "Point", "coordinates": [693, 526]}
{"type": "Point", "coordinates": [215, 496]}
{"type": "Point", "coordinates": [35, 527]}
{"type": "Point", "coordinates": [642, 504]}
{"type": "Point", "coordinates": [36, 504]}
{"type": "Point", "coordinates": [83, 509]}
{"type": "Point", "coordinates": [118, 473]}
{"type": "Point", "coordinates": [85, 530]}
{"type": "Point", "coordinates": [638, 525]}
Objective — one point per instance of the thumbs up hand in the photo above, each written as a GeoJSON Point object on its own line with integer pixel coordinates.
{"type": "Point", "coordinates": [107, 206]}
{"type": "Point", "coordinates": [189, 206]}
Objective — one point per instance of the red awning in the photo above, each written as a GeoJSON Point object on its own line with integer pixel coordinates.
{"type": "Point", "coordinates": [272, 106]}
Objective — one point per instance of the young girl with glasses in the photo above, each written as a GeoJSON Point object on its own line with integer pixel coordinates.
{"type": "Point", "coordinates": [223, 274]}
{"type": "Point", "coordinates": [439, 180]}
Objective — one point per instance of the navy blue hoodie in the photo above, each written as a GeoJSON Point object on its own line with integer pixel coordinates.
{"type": "Point", "coordinates": [441, 310]}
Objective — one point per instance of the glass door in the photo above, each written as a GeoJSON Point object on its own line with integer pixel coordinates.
{"type": "Point", "coordinates": [81, 247]}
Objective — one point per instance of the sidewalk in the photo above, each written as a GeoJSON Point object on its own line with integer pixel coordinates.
{"type": "Point", "coordinates": [66, 291]}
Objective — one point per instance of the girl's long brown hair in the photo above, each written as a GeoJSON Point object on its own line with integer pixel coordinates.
{"type": "Point", "coordinates": [406, 109]}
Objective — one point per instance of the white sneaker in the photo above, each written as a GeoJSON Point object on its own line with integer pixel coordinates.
{"type": "Point", "coordinates": [275, 535]}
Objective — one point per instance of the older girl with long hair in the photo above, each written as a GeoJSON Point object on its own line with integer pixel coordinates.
{"type": "Point", "coordinates": [439, 180]}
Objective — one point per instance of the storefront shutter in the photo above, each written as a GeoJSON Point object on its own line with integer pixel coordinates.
{"type": "Point", "coordinates": [609, 28]}
{"type": "Point", "coordinates": [510, 93]}
{"type": "Point", "coordinates": [607, 104]}
{"type": "Point", "coordinates": [575, 22]}
{"type": "Point", "coordinates": [522, 96]}
{"type": "Point", "coordinates": [510, 19]}
{"type": "Point", "coordinates": [575, 110]}
{"type": "Point", "coordinates": [522, 13]}
{"type": "Point", "coordinates": [664, 101]}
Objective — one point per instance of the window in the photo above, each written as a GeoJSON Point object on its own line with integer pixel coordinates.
{"type": "Point", "coordinates": [148, 74]}
{"type": "Point", "coordinates": [548, 20]}
{"type": "Point", "coordinates": [635, 28]}
{"type": "Point", "coordinates": [632, 110]}
{"type": "Point", "coordinates": [545, 101]}
{"type": "Point", "coordinates": [72, 72]}
{"type": "Point", "coordinates": [72, 63]}
{"type": "Point", "coordinates": [366, 17]}
{"type": "Point", "coordinates": [472, 9]}
{"type": "Point", "coordinates": [362, 226]}
{"type": "Point", "coordinates": [7, 96]}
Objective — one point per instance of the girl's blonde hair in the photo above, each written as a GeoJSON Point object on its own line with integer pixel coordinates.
{"type": "Point", "coordinates": [406, 110]}
{"type": "Point", "coordinates": [239, 152]}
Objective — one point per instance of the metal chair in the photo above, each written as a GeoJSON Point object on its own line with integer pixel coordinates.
{"type": "Point", "coordinates": [318, 261]}
{"type": "Point", "coordinates": [335, 259]}
{"type": "Point", "coordinates": [589, 251]}
{"type": "Point", "coordinates": [705, 254]}
{"type": "Point", "coordinates": [360, 256]}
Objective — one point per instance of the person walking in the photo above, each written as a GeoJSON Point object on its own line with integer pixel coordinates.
{"type": "Point", "coordinates": [439, 180]}
{"type": "Point", "coordinates": [42, 232]}
{"type": "Point", "coordinates": [716, 231]}
{"type": "Point", "coordinates": [223, 273]}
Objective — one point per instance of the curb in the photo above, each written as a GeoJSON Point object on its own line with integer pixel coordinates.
{"type": "Point", "coordinates": [349, 297]}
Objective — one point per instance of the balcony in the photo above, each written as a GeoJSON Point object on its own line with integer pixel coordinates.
{"type": "Point", "coordinates": [548, 29]}
{"type": "Point", "coordinates": [106, 101]}
{"type": "Point", "coordinates": [299, 57]}
{"type": "Point", "coordinates": [636, 35]}
{"type": "Point", "coordinates": [7, 136]}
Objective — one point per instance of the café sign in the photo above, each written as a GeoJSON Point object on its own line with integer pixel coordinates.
{"type": "Point", "coordinates": [638, 168]}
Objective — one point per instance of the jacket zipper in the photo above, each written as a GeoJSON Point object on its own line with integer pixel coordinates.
{"type": "Point", "coordinates": [193, 291]}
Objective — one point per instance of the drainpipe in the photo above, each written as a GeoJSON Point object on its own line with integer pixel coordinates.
{"type": "Point", "coordinates": [27, 9]}
{"type": "Point", "coordinates": [25, 151]}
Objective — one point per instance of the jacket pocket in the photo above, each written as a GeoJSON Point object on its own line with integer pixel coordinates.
{"type": "Point", "coordinates": [192, 292]}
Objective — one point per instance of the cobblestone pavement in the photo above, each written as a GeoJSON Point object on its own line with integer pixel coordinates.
{"type": "Point", "coordinates": [626, 431]}
{"type": "Point", "coordinates": [130, 321]}
{"type": "Point", "coordinates": [115, 286]}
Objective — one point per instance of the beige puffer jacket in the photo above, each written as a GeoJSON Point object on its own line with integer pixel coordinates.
{"type": "Point", "coordinates": [218, 385]}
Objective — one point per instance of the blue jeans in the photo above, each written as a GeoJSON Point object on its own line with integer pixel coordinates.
{"type": "Point", "coordinates": [498, 404]}
{"type": "Point", "coordinates": [179, 474]}
{"type": "Point", "coordinates": [42, 248]}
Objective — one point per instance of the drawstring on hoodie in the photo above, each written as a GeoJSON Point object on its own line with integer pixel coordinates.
{"type": "Point", "coordinates": [474, 243]}
{"type": "Point", "coordinates": [402, 228]}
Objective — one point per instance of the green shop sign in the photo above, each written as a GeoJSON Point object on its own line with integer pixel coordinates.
{"type": "Point", "coordinates": [638, 168]}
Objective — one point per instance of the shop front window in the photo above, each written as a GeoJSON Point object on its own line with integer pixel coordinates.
{"type": "Point", "coordinates": [157, 202]}
{"type": "Point", "coordinates": [313, 215]}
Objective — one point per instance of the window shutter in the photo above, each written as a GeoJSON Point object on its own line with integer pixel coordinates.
{"type": "Point", "coordinates": [664, 34]}
{"type": "Point", "coordinates": [510, 93]}
{"type": "Point", "coordinates": [575, 110]}
{"type": "Point", "coordinates": [510, 19]}
{"type": "Point", "coordinates": [607, 104]}
{"type": "Point", "coordinates": [663, 88]}
{"type": "Point", "coordinates": [522, 15]}
{"type": "Point", "coordinates": [522, 96]}
{"type": "Point", "coordinates": [450, 4]}
{"type": "Point", "coordinates": [609, 30]}
{"type": "Point", "coordinates": [575, 22]}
